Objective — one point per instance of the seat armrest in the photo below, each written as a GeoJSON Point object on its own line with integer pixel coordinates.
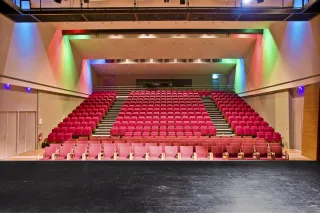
{"type": "Point", "coordinates": [69, 156]}
{"type": "Point", "coordinates": [195, 156]}
{"type": "Point", "coordinates": [210, 156]}
{"type": "Point", "coordinates": [54, 156]}
{"type": "Point", "coordinates": [257, 155]}
{"type": "Point", "coordinates": [179, 156]}
{"type": "Point", "coordinates": [131, 156]}
{"type": "Point", "coordinates": [163, 156]}
{"type": "Point", "coordinates": [100, 155]}
{"type": "Point", "coordinates": [84, 156]}
{"type": "Point", "coordinates": [226, 155]}
{"type": "Point", "coordinates": [273, 155]}
{"type": "Point", "coordinates": [241, 155]}
{"type": "Point", "coordinates": [147, 156]}
{"type": "Point", "coordinates": [115, 155]}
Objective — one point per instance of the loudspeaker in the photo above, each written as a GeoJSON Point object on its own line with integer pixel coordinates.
{"type": "Point", "coordinates": [182, 1]}
{"type": "Point", "coordinates": [260, 1]}
{"type": "Point", "coordinates": [57, 1]}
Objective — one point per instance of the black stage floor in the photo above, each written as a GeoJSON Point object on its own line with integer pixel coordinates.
{"type": "Point", "coordinates": [280, 187]}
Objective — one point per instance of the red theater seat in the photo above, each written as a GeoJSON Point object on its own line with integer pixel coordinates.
{"type": "Point", "coordinates": [155, 153]}
{"type": "Point", "coordinates": [139, 153]}
{"type": "Point", "coordinates": [186, 152]}
{"type": "Point", "coordinates": [171, 152]}
{"type": "Point", "coordinates": [201, 152]}
{"type": "Point", "coordinates": [232, 153]}
{"type": "Point", "coordinates": [217, 152]}
{"type": "Point", "coordinates": [262, 153]}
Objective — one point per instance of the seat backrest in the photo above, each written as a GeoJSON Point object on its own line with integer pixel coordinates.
{"type": "Point", "coordinates": [108, 150]}
{"type": "Point", "coordinates": [94, 151]}
{"type": "Point", "coordinates": [139, 151]}
{"type": "Point", "coordinates": [217, 151]}
{"type": "Point", "coordinates": [155, 151]}
{"type": "Point", "coordinates": [79, 150]}
{"type": "Point", "coordinates": [202, 151]}
{"type": "Point", "coordinates": [147, 145]}
{"type": "Point", "coordinates": [263, 150]}
{"type": "Point", "coordinates": [171, 151]}
{"type": "Point", "coordinates": [186, 152]}
{"type": "Point", "coordinates": [124, 151]}
{"type": "Point", "coordinates": [55, 145]}
{"type": "Point", "coordinates": [232, 150]}
{"type": "Point", "coordinates": [64, 150]}
{"type": "Point", "coordinates": [48, 151]}
{"type": "Point", "coordinates": [119, 145]}
{"type": "Point", "coordinates": [247, 150]}
{"type": "Point", "coordinates": [277, 150]}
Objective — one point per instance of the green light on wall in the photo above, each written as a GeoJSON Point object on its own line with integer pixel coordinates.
{"type": "Point", "coordinates": [74, 37]}
{"type": "Point", "coordinates": [229, 61]}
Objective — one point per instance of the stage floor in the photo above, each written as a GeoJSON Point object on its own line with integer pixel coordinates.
{"type": "Point", "coordinates": [229, 186]}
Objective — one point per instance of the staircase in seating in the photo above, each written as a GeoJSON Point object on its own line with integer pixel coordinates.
{"type": "Point", "coordinates": [103, 129]}
{"type": "Point", "coordinates": [217, 118]}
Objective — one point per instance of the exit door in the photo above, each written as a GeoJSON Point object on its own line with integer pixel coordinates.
{"type": "Point", "coordinates": [8, 134]}
{"type": "Point", "coordinates": [27, 132]}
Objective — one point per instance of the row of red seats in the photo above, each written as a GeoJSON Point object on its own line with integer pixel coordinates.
{"type": "Point", "coordinates": [84, 119]}
{"type": "Point", "coordinates": [167, 123]}
{"type": "Point", "coordinates": [153, 151]}
{"type": "Point", "coordinates": [244, 125]}
{"type": "Point", "coordinates": [165, 119]}
{"type": "Point", "coordinates": [163, 131]}
{"type": "Point", "coordinates": [63, 134]}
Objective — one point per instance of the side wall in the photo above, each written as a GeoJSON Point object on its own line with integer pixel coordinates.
{"type": "Point", "coordinates": [285, 56]}
{"type": "Point", "coordinates": [53, 108]}
{"type": "Point", "coordinates": [310, 133]}
{"type": "Point", "coordinates": [274, 108]}
{"type": "Point", "coordinates": [39, 56]}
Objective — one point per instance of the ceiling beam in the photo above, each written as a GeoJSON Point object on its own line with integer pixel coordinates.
{"type": "Point", "coordinates": [163, 31]}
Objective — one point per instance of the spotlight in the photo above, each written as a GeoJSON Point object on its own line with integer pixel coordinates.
{"type": "Point", "coordinates": [7, 86]}
{"type": "Point", "coordinates": [28, 89]}
{"type": "Point", "coordinates": [260, 1]}
{"type": "Point", "coordinates": [246, 1]}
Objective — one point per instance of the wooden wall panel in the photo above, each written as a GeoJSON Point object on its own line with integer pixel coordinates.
{"type": "Point", "coordinates": [310, 132]}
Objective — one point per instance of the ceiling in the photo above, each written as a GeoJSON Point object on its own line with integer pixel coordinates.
{"type": "Point", "coordinates": [162, 48]}
{"type": "Point", "coordinates": [162, 69]}
{"type": "Point", "coordinates": [157, 10]}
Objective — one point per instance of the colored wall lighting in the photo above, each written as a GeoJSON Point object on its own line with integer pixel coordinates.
{"type": "Point", "coordinates": [7, 86]}
{"type": "Point", "coordinates": [28, 89]}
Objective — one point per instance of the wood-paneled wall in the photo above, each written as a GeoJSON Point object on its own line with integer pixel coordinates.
{"type": "Point", "coordinates": [310, 133]}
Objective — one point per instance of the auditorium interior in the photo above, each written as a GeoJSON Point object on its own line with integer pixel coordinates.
{"type": "Point", "coordinates": [107, 97]}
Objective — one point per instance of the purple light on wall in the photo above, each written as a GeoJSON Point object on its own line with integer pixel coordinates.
{"type": "Point", "coordinates": [28, 89]}
{"type": "Point", "coordinates": [301, 90]}
{"type": "Point", "coordinates": [7, 86]}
